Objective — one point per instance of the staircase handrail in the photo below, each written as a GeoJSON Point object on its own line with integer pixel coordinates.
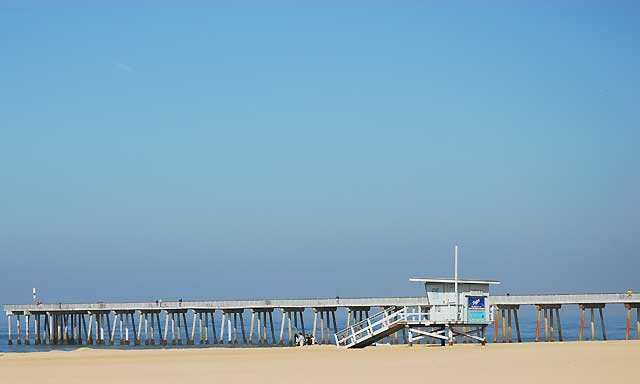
{"type": "Point", "coordinates": [381, 313]}
{"type": "Point", "coordinates": [360, 326]}
{"type": "Point", "coordinates": [392, 316]}
{"type": "Point", "coordinates": [387, 318]}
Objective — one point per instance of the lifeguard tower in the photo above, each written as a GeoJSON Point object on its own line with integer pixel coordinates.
{"type": "Point", "coordinates": [456, 307]}
{"type": "Point", "coordinates": [453, 307]}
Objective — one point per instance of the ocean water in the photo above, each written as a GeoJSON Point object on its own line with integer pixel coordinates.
{"type": "Point", "coordinates": [615, 323]}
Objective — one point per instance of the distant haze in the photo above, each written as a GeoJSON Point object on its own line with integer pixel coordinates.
{"type": "Point", "coordinates": [193, 150]}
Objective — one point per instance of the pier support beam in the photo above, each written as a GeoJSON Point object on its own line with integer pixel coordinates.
{"type": "Point", "coordinates": [592, 307]}
{"type": "Point", "coordinates": [200, 333]}
{"type": "Point", "coordinates": [68, 328]}
{"type": "Point", "coordinates": [9, 321]}
{"type": "Point", "coordinates": [36, 321]}
{"type": "Point", "coordinates": [496, 323]}
{"type": "Point", "coordinates": [18, 337]}
{"type": "Point", "coordinates": [173, 327]}
{"type": "Point", "coordinates": [230, 317]}
{"type": "Point", "coordinates": [122, 317]}
{"type": "Point", "coordinates": [90, 335]}
{"type": "Point", "coordinates": [138, 332]}
{"type": "Point", "coordinates": [136, 338]}
{"type": "Point", "coordinates": [273, 335]}
{"type": "Point", "coordinates": [213, 328]}
{"type": "Point", "coordinates": [629, 307]}
{"type": "Point", "coordinates": [97, 319]}
{"type": "Point", "coordinates": [27, 317]}
{"type": "Point", "coordinates": [206, 327]}
{"type": "Point", "coordinates": [100, 318]}
{"type": "Point", "coordinates": [295, 324]}
{"type": "Point", "coordinates": [512, 310]}
{"type": "Point", "coordinates": [80, 324]}
{"type": "Point", "coordinates": [98, 338]}
{"type": "Point", "coordinates": [99, 328]}
{"type": "Point", "coordinates": [160, 334]}
{"type": "Point", "coordinates": [194, 321]}
{"type": "Point", "coordinates": [204, 314]}
{"type": "Point", "coordinates": [59, 328]}
{"type": "Point", "coordinates": [51, 327]}
{"type": "Point", "coordinates": [259, 319]}
{"type": "Point", "coordinates": [112, 336]}
{"type": "Point", "coordinates": [107, 315]}
{"type": "Point", "coordinates": [74, 328]}
{"type": "Point", "coordinates": [152, 327]}
{"type": "Point", "coordinates": [327, 320]}
{"type": "Point", "coordinates": [549, 327]}
{"type": "Point", "coordinates": [166, 329]}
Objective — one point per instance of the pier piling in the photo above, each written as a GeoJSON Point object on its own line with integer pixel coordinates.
{"type": "Point", "coordinates": [26, 328]}
{"type": "Point", "coordinates": [200, 333]}
{"type": "Point", "coordinates": [258, 326]}
{"type": "Point", "coordinates": [222, 322]}
{"type": "Point", "coordinates": [18, 337]}
{"type": "Point", "coordinates": [206, 327]}
{"type": "Point", "coordinates": [152, 329]}
{"type": "Point", "coordinates": [273, 335]}
{"type": "Point", "coordinates": [45, 328]}
{"type": "Point", "coordinates": [173, 328]}
{"type": "Point", "coordinates": [496, 322]}
{"type": "Point", "coordinates": [548, 322]}
{"type": "Point", "coordinates": [10, 342]}
{"type": "Point", "coordinates": [512, 313]}
{"type": "Point", "coordinates": [630, 307]}
{"type": "Point", "coordinates": [165, 340]}
{"type": "Point", "coordinates": [112, 335]}
{"type": "Point", "coordinates": [592, 307]}
{"type": "Point", "coordinates": [327, 318]}
{"type": "Point", "coordinates": [37, 328]}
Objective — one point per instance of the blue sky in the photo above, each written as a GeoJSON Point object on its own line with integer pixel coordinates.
{"type": "Point", "coordinates": [221, 150]}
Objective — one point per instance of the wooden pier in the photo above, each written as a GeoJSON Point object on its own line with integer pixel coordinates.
{"type": "Point", "coordinates": [223, 321]}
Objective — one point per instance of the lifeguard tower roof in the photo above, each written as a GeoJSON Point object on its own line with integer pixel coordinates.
{"type": "Point", "coordinates": [452, 281]}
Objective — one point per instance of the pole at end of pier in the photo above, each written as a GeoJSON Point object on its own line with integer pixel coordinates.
{"type": "Point", "coordinates": [455, 278]}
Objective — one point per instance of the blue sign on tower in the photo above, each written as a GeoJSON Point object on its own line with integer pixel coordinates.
{"type": "Point", "coordinates": [475, 302]}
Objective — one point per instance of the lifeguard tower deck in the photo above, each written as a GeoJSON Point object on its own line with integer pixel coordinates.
{"type": "Point", "coordinates": [454, 307]}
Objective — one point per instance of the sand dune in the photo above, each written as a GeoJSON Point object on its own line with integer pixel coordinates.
{"type": "Point", "coordinates": [573, 362]}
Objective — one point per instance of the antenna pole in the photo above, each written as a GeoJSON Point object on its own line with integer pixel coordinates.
{"type": "Point", "coordinates": [455, 278]}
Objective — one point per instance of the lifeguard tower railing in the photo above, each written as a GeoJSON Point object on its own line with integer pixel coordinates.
{"type": "Point", "coordinates": [381, 325]}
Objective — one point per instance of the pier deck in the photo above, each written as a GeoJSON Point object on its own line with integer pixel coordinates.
{"type": "Point", "coordinates": [563, 299]}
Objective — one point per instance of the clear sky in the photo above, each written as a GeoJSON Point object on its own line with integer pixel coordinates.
{"type": "Point", "coordinates": [220, 150]}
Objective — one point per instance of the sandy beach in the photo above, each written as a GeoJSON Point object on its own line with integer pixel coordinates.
{"type": "Point", "coordinates": [573, 362]}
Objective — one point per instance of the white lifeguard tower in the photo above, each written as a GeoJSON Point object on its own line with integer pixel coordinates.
{"type": "Point", "coordinates": [457, 301]}
{"type": "Point", "coordinates": [456, 307]}
{"type": "Point", "coordinates": [453, 307]}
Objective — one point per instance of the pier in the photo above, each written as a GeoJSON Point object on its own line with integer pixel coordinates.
{"type": "Point", "coordinates": [224, 322]}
